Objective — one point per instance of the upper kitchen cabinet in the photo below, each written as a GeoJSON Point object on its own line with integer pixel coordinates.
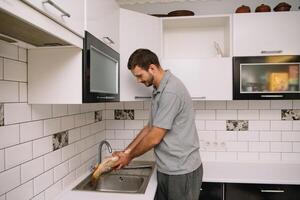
{"type": "Point", "coordinates": [102, 21]}
{"type": "Point", "coordinates": [197, 37]}
{"type": "Point", "coordinates": [43, 23]}
{"type": "Point", "coordinates": [273, 33]}
{"type": "Point", "coordinates": [137, 30]}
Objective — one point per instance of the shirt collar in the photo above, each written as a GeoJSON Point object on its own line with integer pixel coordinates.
{"type": "Point", "coordinates": [162, 83]}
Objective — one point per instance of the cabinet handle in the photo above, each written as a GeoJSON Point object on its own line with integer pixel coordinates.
{"type": "Point", "coordinates": [269, 52]}
{"type": "Point", "coordinates": [64, 13]}
{"type": "Point", "coordinates": [109, 40]}
{"type": "Point", "coordinates": [272, 191]}
{"type": "Point", "coordinates": [106, 97]}
{"type": "Point", "coordinates": [198, 98]}
{"type": "Point", "coordinates": [272, 95]}
{"type": "Point", "coordinates": [142, 97]}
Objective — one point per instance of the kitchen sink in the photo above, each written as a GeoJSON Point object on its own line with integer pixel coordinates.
{"type": "Point", "coordinates": [132, 179]}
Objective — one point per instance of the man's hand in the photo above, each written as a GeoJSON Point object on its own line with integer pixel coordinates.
{"type": "Point", "coordinates": [124, 158]}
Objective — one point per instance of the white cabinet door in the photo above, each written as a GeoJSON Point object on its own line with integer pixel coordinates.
{"type": "Point", "coordinates": [136, 31]}
{"type": "Point", "coordinates": [55, 75]}
{"type": "Point", "coordinates": [102, 21]}
{"type": "Point", "coordinates": [69, 13]}
{"type": "Point", "coordinates": [205, 79]}
{"type": "Point", "coordinates": [271, 33]}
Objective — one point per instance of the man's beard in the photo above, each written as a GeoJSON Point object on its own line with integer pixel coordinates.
{"type": "Point", "coordinates": [150, 82]}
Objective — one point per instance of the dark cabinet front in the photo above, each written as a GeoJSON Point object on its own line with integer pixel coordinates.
{"type": "Point", "coordinates": [238, 191]}
{"type": "Point", "coordinates": [211, 191]}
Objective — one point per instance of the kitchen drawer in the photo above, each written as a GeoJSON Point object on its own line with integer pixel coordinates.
{"type": "Point", "coordinates": [211, 191]}
{"type": "Point", "coordinates": [234, 191]}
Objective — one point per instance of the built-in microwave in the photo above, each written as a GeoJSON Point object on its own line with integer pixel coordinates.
{"type": "Point", "coordinates": [266, 77]}
{"type": "Point", "coordinates": [101, 71]}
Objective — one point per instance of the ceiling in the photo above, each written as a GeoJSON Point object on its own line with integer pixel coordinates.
{"type": "Point", "coordinates": [131, 2]}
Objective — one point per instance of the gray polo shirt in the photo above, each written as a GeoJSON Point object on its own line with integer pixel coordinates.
{"type": "Point", "coordinates": [172, 109]}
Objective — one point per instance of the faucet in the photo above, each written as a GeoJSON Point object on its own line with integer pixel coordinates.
{"type": "Point", "coordinates": [100, 149]}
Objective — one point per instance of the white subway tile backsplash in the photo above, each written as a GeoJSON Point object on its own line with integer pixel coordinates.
{"type": "Point", "coordinates": [281, 125]}
{"type": "Point", "coordinates": [215, 105]}
{"type": "Point", "coordinates": [273, 136]}
{"type": "Point", "coordinates": [270, 114]}
{"type": "Point", "coordinates": [226, 114]}
{"type": "Point", "coordinates": [74, 162]}
{"type": "Point", "coordinates": [296, 146]}
{"type": "Point", "coordinates": [90, 117]}
{"type": "Point", "coordinates": [208, 156]}
{"type": "Point", "coordinates": [114, 124]}
{"type": "Point", "coordinates": [282, 104]}
{"type": "Point", "coordinates": [22, 54]}
{"type": "Point", "coordinates": [109, 114]}
{"type": "Point", "coordinates": [141, 114]}
{"type": "Point", "coordinates": [53, 191]}
{"type": "Point", "coordinates": [24, 191]}
{"type": "Point", "coordinates": [41, 111]}
{"type": "Point", "coordinates": [2, 197]}
{"type": "Point", "coordinates": [147, 105]}
{"type": "Point", "coordinates": [31, 130]}
{"type": "Point", "coordinates": [223, 136]}
{"type": "Point", "coordinates": [61, 171]}
{"type": "Point", "coordinates": [296, 104]}
{"type": "Point", "coordinates": [137, 105]}
{"type": "Point", "coordinates": [207, 135]}
{"type": "Point", "coordinates": [15, 71]}
{"type": "Point", "coordinates": [10, 135]}
{"type": "Point", "coordinates": [239, 105]}
{"type": "Point", "coordinates": [248, 114]}
{"type": "Point", "coordinates": [237, 146]}
{"type": "Point", "coordinates": [291, 157]}
{"type": "Point", "coordinates": [73, 109]}
{"type": "Point", "coordinates": [247, 156]}
{"type": "Point", "coordinates": [79, 146]}
{"type": "Point", "coordinates": [74, 135]}
{"type": "Point", "coordinates": [291, 136]}
{"type": "Point", "coordinates": [80, 120]}
{"type": "Point", "coordinates": [42, 182]}
{"type": "Point", "coordinates": [205, 114]}
{"type": "Point", "coordinates": [32, 169]}
{"type": "Point", "coordinates": [259, 104]}
{"type": "Point", "coordinates": [296, 125]}
{"type": "Point", "coordinates": [40, 196]}
{"type": "Point", "coordinates": [124, 134]}
{"type": "Point", "coordinates": [23, 92]}
{"type": "Point", "coordinates": [9, 179]}
{"type": "Point", "coordinates": [8, 51]}
{"type": "Point", "coordinates": [1, 160]}
{"type": "Point", "coordinates": [270, 156]}
{"type": "Point", "coordinates": [219, 125]}
{"type": "Point", "coordinates": [17, 113]}
{"type": "Point", "coordinates": [52, 126]}
{"type": "Point", "coordinates": [67, 180]}
{"type": "Point", "coordinates": [134, 124]}
{"type": "Point", "coordinates": [85, 131]}
{"type": "Point", "coordinates": [59, 110]}
{"type": "Point", "coordinates": [97, 127]}
{"type": "Point", "coordinates": [68, 152]}
{"type": "Point", "coordinates": [9, 91]}
{"type": "Point", "coordinates": [226, 156]}
{"type": "Point", "coordinates": [18, 154]}
{"type": "Point", "coordinates": [67, 123]}
{"type": "Point", "coordinates": [42, 146]}
{"type": "Point", "coordinates": [1, 68]}
{"type": "Point", "coordinates": [248, 136]}
{"type": "Point", "coordinates": [259, 125]}
{"type": "Point", "coordinates": [200, 125]}
{"type": "Point", "coordinates": [281, 147]}
{"type": "Point", "coordinates": [52, 159]}
{"type": "Point", "coordinates": [110, 134]}
{"type": "Point", "coordinates": [259, 146]}
{"type": "Point", "coordinates": [198, 105]}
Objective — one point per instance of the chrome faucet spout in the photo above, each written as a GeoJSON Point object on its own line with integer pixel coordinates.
{"type": "Point", "coordinates": [100, 148]}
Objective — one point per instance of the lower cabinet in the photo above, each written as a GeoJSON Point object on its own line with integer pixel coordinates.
{"type": "Point", "coordinates": [211, 191]}
{"type": "Point", "coordinates": [239, 191]}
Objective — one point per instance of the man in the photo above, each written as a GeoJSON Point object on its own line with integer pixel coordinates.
{"type": "Point", "coordinates": [171, 131]}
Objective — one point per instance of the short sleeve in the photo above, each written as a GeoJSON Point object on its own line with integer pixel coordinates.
{"type": "Point", "coordinates": [168, 108]}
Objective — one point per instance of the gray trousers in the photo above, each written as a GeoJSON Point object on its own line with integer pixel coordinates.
{"type": "Point", "coordinates": [179, 187]}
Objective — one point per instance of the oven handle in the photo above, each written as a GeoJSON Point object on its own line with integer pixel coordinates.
{"type": "Point", "coordinates": [272, 95]}
{"type": "Point", "coordinates": [272, 191]}
{"type": "Point", "coordinates": [270, 52]}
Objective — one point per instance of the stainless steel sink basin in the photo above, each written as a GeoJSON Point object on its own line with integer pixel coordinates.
{"type": "Point", "coordinates": [132, 179]}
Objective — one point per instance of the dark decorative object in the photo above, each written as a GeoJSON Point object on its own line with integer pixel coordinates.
{"type": "Point", "coordinates": [237, 125]}
{"type": "Point", "coordinates": [1, 114]}
{"type": "Point", "coordinates": [243, 9]}
{"type": "Point", "coordinates": [60, 140]}
{"type": "Point", "coordinates": [283, 6]}
{"type": "Point", "coordinates": [98, 115]}
{"type": "Point", "coordinates": [178, 13]}
{"type": "Point", "coordinates": [263, 8]}
{"type": "Point", "coordinates": [159, 15]}
{"type": "Point", "coordinates": [290, 114]}
{"type": "Point", "coordinates": [124, 114]}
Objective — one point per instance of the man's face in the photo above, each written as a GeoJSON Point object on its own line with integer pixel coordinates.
{"type": "Point", "coordinates": [143, 76]}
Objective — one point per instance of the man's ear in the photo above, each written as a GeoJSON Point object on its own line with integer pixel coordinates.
{"type": "Point", "coordinates": [152, 68]}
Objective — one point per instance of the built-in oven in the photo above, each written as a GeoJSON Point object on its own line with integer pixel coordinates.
{"type": "Point", "coordinates": [101, 71]}
{"type": "Point", "coordinates": [266, 77]}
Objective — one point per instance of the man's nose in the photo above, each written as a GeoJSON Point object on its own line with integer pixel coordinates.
{"type": "Point", "coordinates": [138, 80]}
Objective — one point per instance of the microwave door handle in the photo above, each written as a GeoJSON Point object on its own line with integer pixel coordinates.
{"type": "Point", "coordinates": [271, 95]}
{"type": "Point", "coordinates": [106, 97]}
{"type": "Point", "coordinates": [270, 52]}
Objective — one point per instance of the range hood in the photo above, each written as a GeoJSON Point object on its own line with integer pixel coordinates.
{"type": "Point", "coordinates": [16, 28]}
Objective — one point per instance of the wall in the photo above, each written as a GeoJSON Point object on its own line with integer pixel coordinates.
{"type": "Point", "coordinates": [43, 148]}
{"type": "Point", "coordinates": [202, 7]}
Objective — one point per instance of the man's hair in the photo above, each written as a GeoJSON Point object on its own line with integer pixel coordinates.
{"type": "Point", "coordinates": [142, 58]}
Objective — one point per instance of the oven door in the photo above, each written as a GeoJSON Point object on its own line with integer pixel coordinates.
{"type": "Point", "coordinates": [266, 77]}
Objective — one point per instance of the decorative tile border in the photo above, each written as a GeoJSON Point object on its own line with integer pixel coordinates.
{"type": "Point", "coordinates": [60, 140]}
{"type": "Point", "coordinates": [1, 114]}
{"type": "Point", "coordinates": [124, 114]}
{"type": "Point", "coordinates": [290, 114]}
{"type": "Point", "coordinates": [98, 115]}
{"type": "Point", "coordinates": [237, 125]}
